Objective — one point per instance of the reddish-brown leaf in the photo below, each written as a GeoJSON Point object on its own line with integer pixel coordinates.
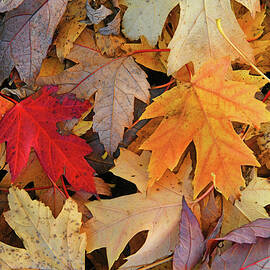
{"type": "Point", "coordinates": [32, 123]}
{"type": "Point", "coordinates": [26, 34]}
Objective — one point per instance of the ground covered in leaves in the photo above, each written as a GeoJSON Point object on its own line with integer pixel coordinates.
{"type": "Point", "coordinates": [134, 134]}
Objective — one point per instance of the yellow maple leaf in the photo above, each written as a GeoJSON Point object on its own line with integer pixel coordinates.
{"type": "Point", "coordinates": [50, 243]}
{"type": "Point", "coordinates": [201, 111]}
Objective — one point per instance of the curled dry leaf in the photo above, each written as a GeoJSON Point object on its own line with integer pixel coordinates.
{"type": "Point", "coordinates": [26, 35]}
{"type": "Point", "coordinates": [49, 243]}
{"type": "Point", "coordinates": [96, 15]}
{"type": "Point", "coordinates": [113, 27]}
{"type": "Point", "coordinates": [116, 82]}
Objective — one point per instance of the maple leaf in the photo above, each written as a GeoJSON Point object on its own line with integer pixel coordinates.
{"type": "Point", "coordinates": [26, 35]}
{"type": "Point", "coordinates": [116, 82]}
{"type": "Point", "coordinates": [117, 220]}
{"type": "Point", "coordinates": [250, 248]}
{"type": "Point", "coordinates": [202, 111]}
{"type": "Point", "coordinates": [32, 123]}
{"type": "Point", "coordinates": [198, 36]}
{"type": "Point", "coordinates": [49, 243]}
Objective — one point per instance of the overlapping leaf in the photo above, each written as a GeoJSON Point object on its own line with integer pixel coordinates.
{"type": "Point", "coordinates": [254, 198]}
{"type": "Point", "coordinates": [26, 35]}
{"type": "Point", "coordinates": [196, 38]}
{"type": "Point", "coordinates": [116, 84]}
{"type": "Point", "coordinates": [49, 243]}
{"type": "Point", "coordinates": [117, 220]}
{"type": "Point", "coordinates": [32, 123]}
{"type": "Point", "coordinates": [202, 111]}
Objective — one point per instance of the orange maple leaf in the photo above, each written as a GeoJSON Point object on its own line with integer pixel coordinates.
{"type": "Point", "coordinates": [201, 111]}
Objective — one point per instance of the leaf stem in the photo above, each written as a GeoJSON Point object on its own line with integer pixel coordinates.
{"type": "Point", "coordinates": [163, 85]}
{"type": "Point", "coordinates": [204, 194]}
{"type": "Point", "coordinates": [218, 22]}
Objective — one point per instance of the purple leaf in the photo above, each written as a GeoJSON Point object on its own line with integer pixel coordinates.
{"type": "Point", "coordinates": [244, 256]}
{"type": "Point", "coordinates": [191, 241]}
{"type": "Point", "coordinates": [248, 233]}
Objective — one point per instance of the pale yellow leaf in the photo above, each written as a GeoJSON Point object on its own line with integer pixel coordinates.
{"type": "Point", "coordinates": [146, 18]}
{"type": "Point", "coordinates": [197, 37]}
{"type": "Point", "coordinates": [117, 220]}
{"type": "Point", "coordinates": [49, 243]}
{"type": "Point", "coordinates": [133, 168]}
{"type": "Point", "coordinates": [254, 198]}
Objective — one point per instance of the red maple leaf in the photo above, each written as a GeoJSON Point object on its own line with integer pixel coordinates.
{"type": "Point", "coordinates": [32, 123]}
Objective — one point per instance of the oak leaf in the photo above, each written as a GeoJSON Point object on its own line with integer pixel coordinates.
{"type": "Point", "coordinates": [202, 111]}
{"type": "Point", "coordinates": [49, 243]}
{"type": "Point", "coordinates": [32, 123]}
{"type": "Point", "coordinates": [116, 83]}
{"type": "Point", "coordinates": [117, 220]}
{"type": "Point", "coordinates": [26, 35]}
